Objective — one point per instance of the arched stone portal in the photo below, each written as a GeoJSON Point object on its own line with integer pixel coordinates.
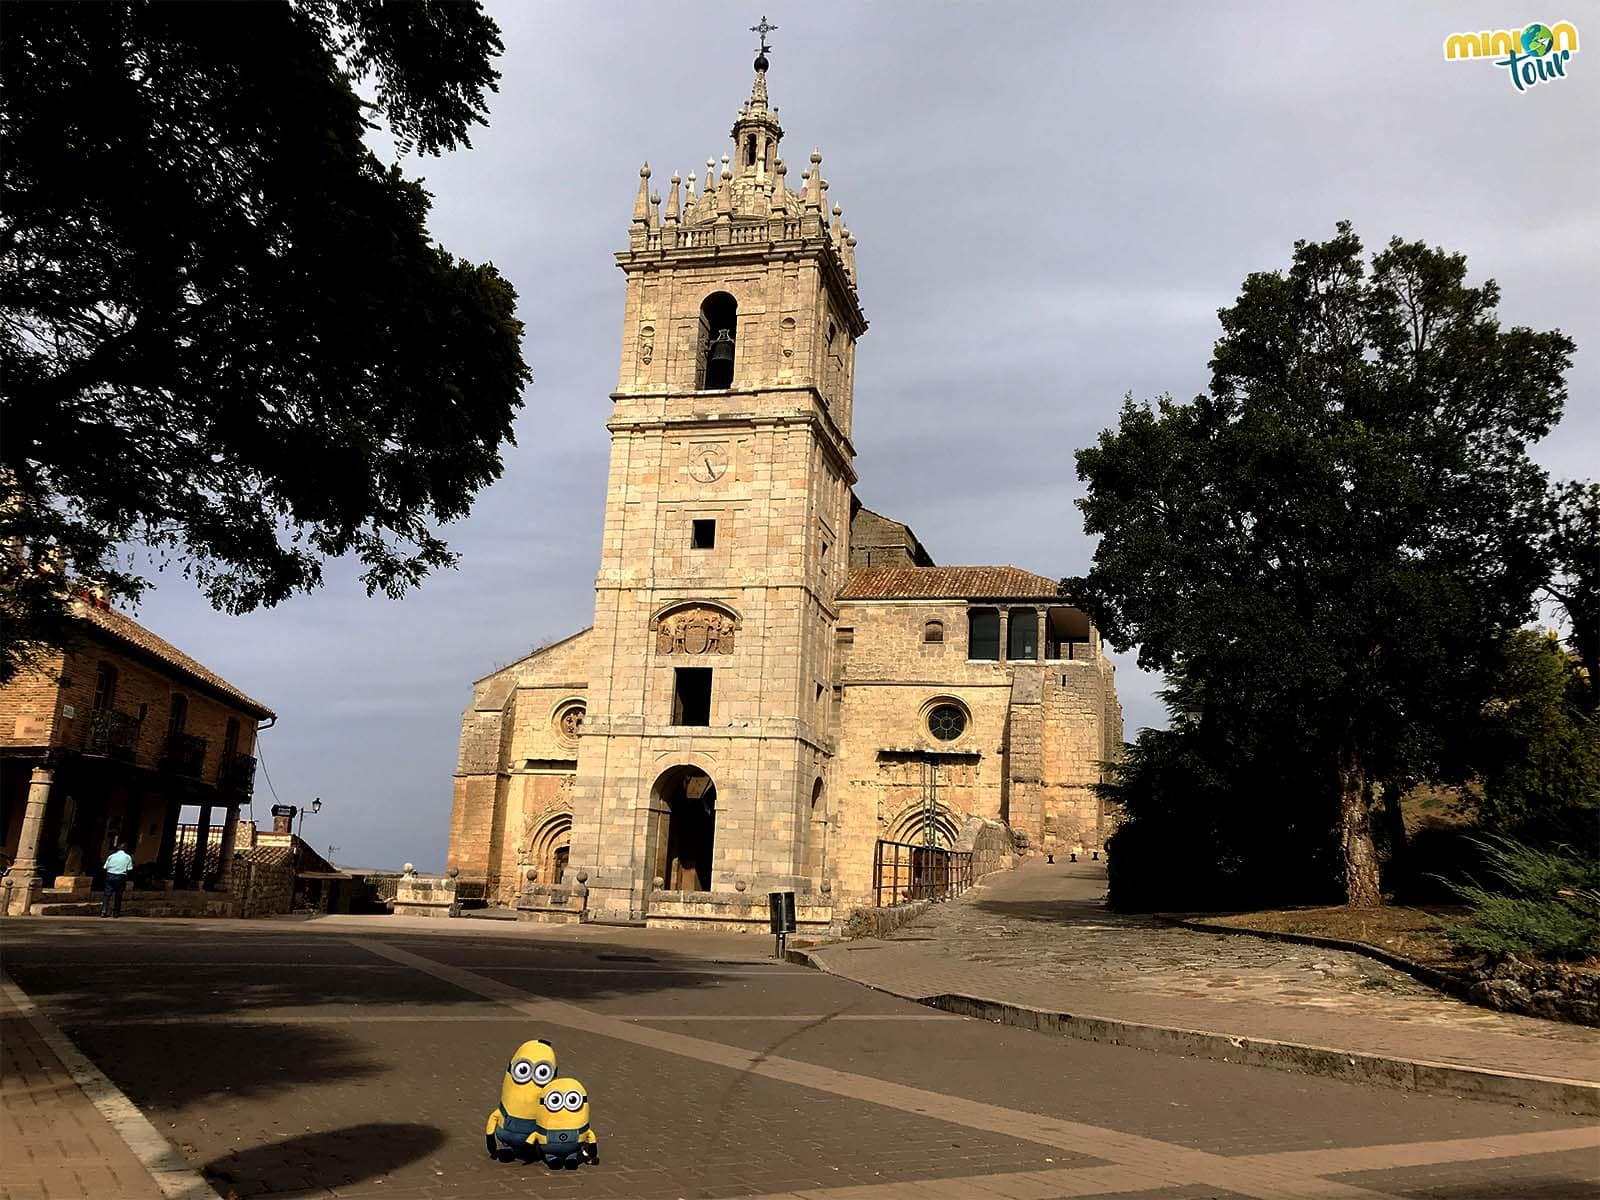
{"type": "Point", "coordinates": [549, 847]}
{"type": "Point", "coordinates": [683, 824]}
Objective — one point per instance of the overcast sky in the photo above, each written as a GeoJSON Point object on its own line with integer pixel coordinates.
{"type": "Point", "coordinates": [1052, 201]}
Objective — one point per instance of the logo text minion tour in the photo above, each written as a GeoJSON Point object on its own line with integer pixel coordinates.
{"type": "Point", "coordinates": [1533, 54]}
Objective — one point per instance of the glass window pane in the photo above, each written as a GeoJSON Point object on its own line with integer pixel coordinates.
{"type": "Point", "coordinates": [1022, 638]}
{"type": "Point", "coordinates": [983, 638]}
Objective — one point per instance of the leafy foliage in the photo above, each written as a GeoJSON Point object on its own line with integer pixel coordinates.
{"type": "Point", "coordinates": [1574, 548]}
{"type": "Point", "coordinates": [1326, 547]}
{"type": "Point", "coordinates": [1535, 750]}
{"type": "Point", "coordinates": [225, 331]}
{"type": "Point", "coordinates": [1539, 902]}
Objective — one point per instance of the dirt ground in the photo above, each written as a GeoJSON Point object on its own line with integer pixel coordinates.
{"type": "Point", "coordinates": [1415, 933]}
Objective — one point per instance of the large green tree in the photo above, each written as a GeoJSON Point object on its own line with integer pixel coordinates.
{"type": "Point", "coordinates": [225, 331]}
{"type": "Point", "coordinates": [1329, 544]}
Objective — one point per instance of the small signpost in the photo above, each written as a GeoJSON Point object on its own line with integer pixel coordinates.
{"type": "Point", "coordinates": [781, 906]}
{"type": "Point", "coordinates": [284, 810]}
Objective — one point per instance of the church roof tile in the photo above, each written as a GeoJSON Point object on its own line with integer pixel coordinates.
{"type": "Point", "coordinates": [947, 583]}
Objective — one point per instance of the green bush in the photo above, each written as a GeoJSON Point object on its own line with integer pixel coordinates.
{"type": "Point", "coordinates": [1540, 902]}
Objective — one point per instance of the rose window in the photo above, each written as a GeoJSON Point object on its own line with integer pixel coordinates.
{"type": "Point", "coordinates": [570, 722]}
{"type": "Point", "coordinates": [947, 722]}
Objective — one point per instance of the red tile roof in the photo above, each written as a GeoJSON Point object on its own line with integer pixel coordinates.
{"type": "Point", "coordinates": [122, 628]}
{"type": "Point", "coordinates": [947, 583]}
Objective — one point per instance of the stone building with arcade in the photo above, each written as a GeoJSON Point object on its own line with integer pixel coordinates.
{"type": "Point", "coordinates": [778, 682]}
{"type": "Point", "coordinates": [108, 740]}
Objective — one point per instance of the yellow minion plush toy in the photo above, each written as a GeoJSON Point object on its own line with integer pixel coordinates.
{"type": "Point", "coordinates": [511, 1126]}
{"type": "Point", "coordinates": [562, 1136]}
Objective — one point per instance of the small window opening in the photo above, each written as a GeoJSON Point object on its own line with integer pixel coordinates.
{"type": "Point", "coordinates": [983, 634]}
{"type": "Point", "coordinates": [105, 687]}
{"type": "Point", "coordinates": [704, 535]}
{"type": "Point", "coordinates": [933, 631]}
{"type": "Point", "coordinates": [845, 634]}
{"type": "Point", "coordinates": [832, 331]}
{"type": "Point", "coordinates": [691, 696]}
{"type": "Point", "coordinates": [750, 151]}
{"type": "Point", "coordinates": [179, 716]}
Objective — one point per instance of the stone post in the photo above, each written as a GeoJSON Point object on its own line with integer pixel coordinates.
{"type": "Point", "coordinates": [1005, 632]}
{"type": "Point", "coordinates": [25, 875]}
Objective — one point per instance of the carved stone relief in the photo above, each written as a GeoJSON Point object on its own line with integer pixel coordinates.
{"type": "Point", "coordinates": [695, 630]}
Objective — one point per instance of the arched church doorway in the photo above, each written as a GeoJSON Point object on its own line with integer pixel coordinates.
{"type": "Point", "coordinates": [684, 824]}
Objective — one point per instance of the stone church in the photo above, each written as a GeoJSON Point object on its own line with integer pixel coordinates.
{"type": "Point", "coordinates": [778, 682]}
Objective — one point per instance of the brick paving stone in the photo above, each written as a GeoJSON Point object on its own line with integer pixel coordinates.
{"type": "Point", "coordinates": [1040, 936]}
{"type": "Point", "coordinates": [53, 1141]}
{"type": "Point", "coordinates": [1574, 1175]}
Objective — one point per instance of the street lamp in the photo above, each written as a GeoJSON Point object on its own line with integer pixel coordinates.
{"type": "Point", "coordinates": [316, 807]}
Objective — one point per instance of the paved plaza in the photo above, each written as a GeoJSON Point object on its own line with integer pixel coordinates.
{"type": "Point", "coordinates": [357, 1058]}
{"type": "Point", "coordinates": [1041, 936]}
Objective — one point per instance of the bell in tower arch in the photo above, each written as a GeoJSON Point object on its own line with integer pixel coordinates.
{"type": "Point", "coordinates": [719, 363]}
{"type": "Point", "coordinates": [719, 323]}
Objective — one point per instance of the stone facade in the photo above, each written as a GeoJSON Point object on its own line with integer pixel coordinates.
{"type": "Point", "coordinates": [756, 691]}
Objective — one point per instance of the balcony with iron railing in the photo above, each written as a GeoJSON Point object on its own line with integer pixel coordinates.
{"type": "Point", "coordinates": [110, 733]}
{"type": "Point", "coordinates": [237, 774]}
{"type": "Point", "coordinates": [185, 755]}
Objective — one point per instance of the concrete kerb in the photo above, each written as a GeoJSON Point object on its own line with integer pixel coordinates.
{"type": "Point", "coordinates": [1447, 1079]}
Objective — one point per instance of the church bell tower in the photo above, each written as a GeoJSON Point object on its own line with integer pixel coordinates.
{"type": "Point", "coordinates": [706, 748]}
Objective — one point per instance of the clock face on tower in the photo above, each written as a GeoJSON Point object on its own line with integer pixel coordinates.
{"type": "Point", "coordinates": [708, 463]}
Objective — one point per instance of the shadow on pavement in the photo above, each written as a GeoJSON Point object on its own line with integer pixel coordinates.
{"type": "Point", "coordinates": [176, 1017]}
{"type": "Point", "coordinates": [315, 1162]}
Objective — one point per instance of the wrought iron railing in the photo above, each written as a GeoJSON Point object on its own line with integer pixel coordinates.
{"type": "Point", "coordinates": [237, 774]}
{"type": "Point", "coordinates": [112, 734]}
{"type": "Point", "coordinates": [186, 755]}
{"type": "Point", "coordinates": [902, 871]}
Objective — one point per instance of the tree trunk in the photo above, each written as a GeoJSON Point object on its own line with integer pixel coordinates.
{"type": "Point", "coordinates": [1394, 824]}
{"type": "Point", "coordinates": [1355, 831]}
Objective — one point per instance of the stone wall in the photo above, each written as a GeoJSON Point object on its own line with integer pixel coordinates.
{"type": "Point", "coordinates": [262, 881]}
{"type": "Point", "coordinates": [990, 845]}
{"type": "Point", "coordinates": [516, 764]}
{"type": "Point", "coordinates": [735, 912]}
{"type": "Point", "coordinates": [424, 895]}
{"type": "Point", "coordinates": [877, 541]}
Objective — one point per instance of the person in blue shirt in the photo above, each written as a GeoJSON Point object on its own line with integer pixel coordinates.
{"type": "Point", "coordinates": [118, 865]}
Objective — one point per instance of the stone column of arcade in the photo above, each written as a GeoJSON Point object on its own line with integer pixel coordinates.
{"type": "Point", "coordinates": [202, 838]}
{"type": "Point", "coordinates": [24, 875]}
{"type": "Point", "coordinates": [230, 834]}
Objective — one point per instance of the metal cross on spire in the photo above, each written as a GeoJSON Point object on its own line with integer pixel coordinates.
{"type": "Point", "coordinates": [763, 29]}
